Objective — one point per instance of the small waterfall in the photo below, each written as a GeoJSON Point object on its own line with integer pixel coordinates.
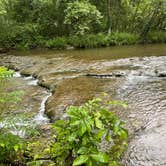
{"type": "Point", "coordinates": [33, 82]}
{"type": "Point", "coordinates": [17, 74]}
{"type": "Point", "coordinates": [41, 118]}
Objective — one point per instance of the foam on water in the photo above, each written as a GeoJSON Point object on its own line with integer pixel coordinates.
{"type": "Point", "coordinates": [17, 75]}
{"type": "Point", "coordinates": [41, 118]}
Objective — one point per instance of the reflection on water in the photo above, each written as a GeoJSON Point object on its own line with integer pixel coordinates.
{"type": "Point", "coordinates": [116, 52]}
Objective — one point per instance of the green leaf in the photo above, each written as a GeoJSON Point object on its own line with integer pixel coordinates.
{"type": "Point", "coordinates": [89, 163]}
{"type": "Point", "coordinates": [80, 160]}
{"type": "Point", "coordinates": [83, 129]}
{"type": "Point", "coordinates": [83, 150]}
{"type": "Point", "coordinates": [59, 122]}
{"type": "Point", "coordinates": [101, 157]}
{"type": "Point", "coordinates": [113, 163]}
{"type": "Point", "coordinates": [2, 145]}
{"type": "Point", "coordinates": [16, 147]}
{"type": "Point", "coordinates": [100, 134]}
{"type": "Point", "coordinates": [123, 134]}
{"type": "Point", "coordinates": [98, 123]}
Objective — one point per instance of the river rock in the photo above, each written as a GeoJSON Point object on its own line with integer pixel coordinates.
{"type": "Point", "coordinates": [77, 91]}
{"type": "Point", "coordinates": [161, 74]}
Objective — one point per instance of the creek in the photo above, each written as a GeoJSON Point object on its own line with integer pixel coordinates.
{"type": "Point", "coordinates": [134, 74]}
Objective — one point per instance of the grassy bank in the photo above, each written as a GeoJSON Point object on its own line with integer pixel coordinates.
{"type": "Point", "coordinates": [28, 40]}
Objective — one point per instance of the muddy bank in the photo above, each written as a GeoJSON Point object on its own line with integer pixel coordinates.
{"type": "Point", "coordinates": [138, 80]}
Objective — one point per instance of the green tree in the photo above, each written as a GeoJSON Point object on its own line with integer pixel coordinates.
{"type": "Point", "coordinates": [80, 16]}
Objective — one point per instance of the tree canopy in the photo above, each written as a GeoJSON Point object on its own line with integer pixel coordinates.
{"type": "Point", "coordinates": [35, 19]}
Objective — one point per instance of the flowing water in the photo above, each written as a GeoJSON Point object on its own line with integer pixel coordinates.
{"type": "Point", "coordinates": [134, 74]}
{"type": "Point", "coordinates": [19, 122]}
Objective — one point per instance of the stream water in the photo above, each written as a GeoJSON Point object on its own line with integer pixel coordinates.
{"type": "Point", "coordinates": [134, 74]}
{"type": "Point", "coordinates": [28, 115]}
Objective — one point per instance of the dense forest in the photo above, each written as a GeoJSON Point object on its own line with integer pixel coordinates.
{"type": "Point", "coordinates": [80, 23]}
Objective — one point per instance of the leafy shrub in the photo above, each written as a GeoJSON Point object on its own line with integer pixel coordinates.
{"type": "Point", "coordinates": [99, 40]}
{"type": "Point", "coordinates": [8, 33]}
{"type": "Point", "coordinates": [58, 43]}
{"type": "Point", "coordinates": [11, 148]}
{"type": "Point", "coordinates": [27, 36]}
{"type": "Point", "coordinates": [37, 150]}
{"type": "Point", "coordinates": [5, 73]}
{"type": "Point", "coordinates": [123, 39]}
{"type": "Point", "coordinates": [89, 41]}
{"type": "Point", "coordinates": [79, 139]}
{"type": "Point", "coordinates": [156, 37]}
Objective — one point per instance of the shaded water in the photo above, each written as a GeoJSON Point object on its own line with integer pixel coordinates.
{"type": "Point", "coordinates": [117, 52]}
{"type": "Point", "coordinates": [135, 74]}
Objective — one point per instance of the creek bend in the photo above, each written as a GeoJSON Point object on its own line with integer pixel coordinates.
{"type": "Point", "coordinates": [135, 74]}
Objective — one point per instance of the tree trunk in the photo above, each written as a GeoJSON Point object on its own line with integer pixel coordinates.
{"type": "Point", "coordinates": [109, 25]}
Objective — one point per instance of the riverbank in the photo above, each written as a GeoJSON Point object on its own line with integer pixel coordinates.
{"type": "Point", "coordinates": [86, 41]}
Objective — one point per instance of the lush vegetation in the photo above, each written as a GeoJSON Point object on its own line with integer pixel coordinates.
{"type": "Point", "coordinates": [91, 135]}
{"type": "Point", "coordinates": [80, 23]}
{"type": "Point", "coordinates": [11, 149]}
{"type": "Point", "coordinates": [11, 146]}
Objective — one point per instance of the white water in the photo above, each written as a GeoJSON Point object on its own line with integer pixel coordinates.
{"type": "Point", "coordinates": [17, 75]}
{"type": "Point", "coordinates": [41, 118]}
{"type": "Point", "coordinates": [19, 125]}
{"type": "Point", "coordinates": [33, 82]}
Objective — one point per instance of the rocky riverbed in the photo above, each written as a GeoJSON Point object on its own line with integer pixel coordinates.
{"type": "Point", "coordinates": [140, 80]}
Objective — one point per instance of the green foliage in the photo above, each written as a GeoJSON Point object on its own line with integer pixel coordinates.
{"type": "Point", "coordinates": [11, 148]}
{"type": "Point", "coordinates": [81, 15]}
{"type": "Point", "coordinates": [89, 41]}
{"type": "Point", "coordinates": [27, 24]}
{"type": "Point", "coordinates": [156, 37]}
{"type": "Point", "coordinates": [123, 39]}
{"type": "Point", "coordinates": [58, 43]}
{"type": "Point", "coordinates": [79, 139]}
{"type": "Point", "coordinates": [37, 150]}
{"type": "Point", "coordinates": [5, 73]}
{"type": "Point", "coordinates": [99, 40]}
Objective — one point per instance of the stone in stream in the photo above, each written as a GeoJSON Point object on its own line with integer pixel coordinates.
{"type": "Point", "coordinates": [77, 91]}
{"type": "Point", "coordinates": [109, 75]}
{"type": "Point", "coordinates": [162, 74]}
